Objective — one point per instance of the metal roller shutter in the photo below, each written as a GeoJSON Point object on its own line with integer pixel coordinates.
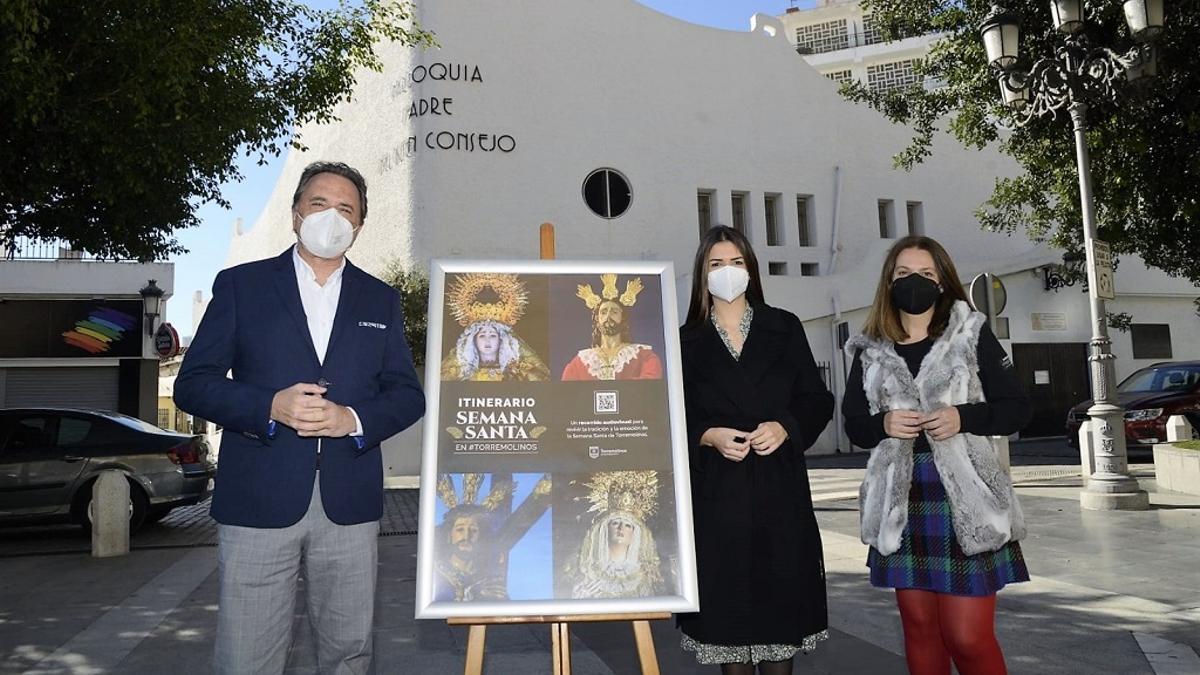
{"type": "Point", "coordinates": [75, 387]}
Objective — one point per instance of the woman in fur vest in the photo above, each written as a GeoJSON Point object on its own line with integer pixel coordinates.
{"type": "Point", "coordinates": [929, 383]}
{"type": "Point", "coordinates": [755, 402]}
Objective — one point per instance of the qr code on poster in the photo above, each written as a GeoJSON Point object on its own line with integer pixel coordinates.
{"type": "Point", "coordinates": [606, 402]}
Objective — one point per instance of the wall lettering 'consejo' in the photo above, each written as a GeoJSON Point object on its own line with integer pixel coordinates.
{"type": "Point", "coordinates": [435, 105]}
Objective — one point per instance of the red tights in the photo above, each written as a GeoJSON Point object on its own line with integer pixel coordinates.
{"type": "Point", "coordinates": [939, 627]}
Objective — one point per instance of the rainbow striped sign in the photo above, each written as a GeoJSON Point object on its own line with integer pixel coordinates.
{"type": "Point", "coordinates": [97, 333]}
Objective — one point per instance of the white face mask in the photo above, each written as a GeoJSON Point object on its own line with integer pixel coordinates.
{"type": "Point", "coordinates": [728, 283]}
{"type": "Point", "coordinates": [326, 234]}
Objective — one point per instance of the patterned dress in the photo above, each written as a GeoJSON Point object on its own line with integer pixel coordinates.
{"type": "Point", "coordinates": [713, 654]}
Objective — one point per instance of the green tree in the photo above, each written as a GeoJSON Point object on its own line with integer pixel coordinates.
{"type": "Point", "coordinates": [121, 117]}
{"type": "Point", "coordinates": [1145, 147]}
{"type": "Point", "coordinates": [414, 293]}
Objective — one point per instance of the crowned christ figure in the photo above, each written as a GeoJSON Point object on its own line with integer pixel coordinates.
{"type": "Point", "coordinates": [612, 356]}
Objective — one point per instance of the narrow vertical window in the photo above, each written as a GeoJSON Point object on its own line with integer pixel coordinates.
{"type": "Point", "coordinates": [887, 229]}
{"type": "Point", "coordinates": [915, 212]}
{"type": "Point", "coordinates": [738, 201]}
{"type": "Point", "coordinates": [803, 222]}
{"type": "Point", "coordinates": [704, 207]}
{"type": "Point", "coordinates": [771, 215]}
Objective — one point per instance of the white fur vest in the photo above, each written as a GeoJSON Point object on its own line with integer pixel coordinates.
{"type": "Point", "coordinates": [985, 511]}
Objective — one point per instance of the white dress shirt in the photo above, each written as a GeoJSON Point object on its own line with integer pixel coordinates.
{"type": "Point", "coordinates": [320, 307]}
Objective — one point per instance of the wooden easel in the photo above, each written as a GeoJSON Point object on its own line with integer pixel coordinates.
{"type": "Point", "coordinates": [560, 637]}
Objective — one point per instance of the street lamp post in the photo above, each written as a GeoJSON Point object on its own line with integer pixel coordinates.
{"type": "Point", "coordinates": [152, 297]}
{"type": "Point", "coordinates": [1076, 77]}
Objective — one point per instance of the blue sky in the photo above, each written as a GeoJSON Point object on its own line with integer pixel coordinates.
{"type": "Point", "coordinates": [208, 245]}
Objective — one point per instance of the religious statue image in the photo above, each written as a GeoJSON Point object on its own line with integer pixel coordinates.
{"type": "Point", "coordinates": [612, 356]}
{"type": "Point", "coordinates": [476, 536]}
{"type": "Point", "coordinates": [488, 350]}
{"type": "Point", "coordinates": [617, 557]}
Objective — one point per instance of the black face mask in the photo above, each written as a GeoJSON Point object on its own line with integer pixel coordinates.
{"type": "Point", "coordinates": [915, 294]}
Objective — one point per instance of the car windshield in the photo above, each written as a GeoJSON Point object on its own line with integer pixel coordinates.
{"type": "Point", "coordinates": [1162, 379]}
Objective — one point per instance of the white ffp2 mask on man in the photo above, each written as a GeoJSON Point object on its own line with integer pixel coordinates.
{"type": "Point", "coordinates": [326, 234]}
{"type": "Point", "coordinates": [728, 282]}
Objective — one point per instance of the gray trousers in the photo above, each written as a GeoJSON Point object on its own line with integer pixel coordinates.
{"type": "Point", "coordinates": [259, 569]}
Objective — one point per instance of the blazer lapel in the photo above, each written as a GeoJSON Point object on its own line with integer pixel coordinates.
{"type": "Point", "coordinates": [289, 294]}
{"type": "Point", "coordinates": [345, 310]}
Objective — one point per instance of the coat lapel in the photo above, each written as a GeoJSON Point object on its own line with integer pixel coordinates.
{"type": "Point", "coordinates": [289, 295]}
{"type": "Point", "coordinates": [763, 345]}
{"type": "Point", "coordinates": [345, 309]}
{"type": "Point", "coordinates": [759, 354]}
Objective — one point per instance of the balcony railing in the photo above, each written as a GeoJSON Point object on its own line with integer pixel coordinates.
{"type": "Point", "coordinates": [833, 44]}
{"type": "Point", "coordinates": [24, 248]}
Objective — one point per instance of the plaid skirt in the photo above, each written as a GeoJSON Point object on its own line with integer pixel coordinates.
{"type": "Point", "coordinates": [930, 558]}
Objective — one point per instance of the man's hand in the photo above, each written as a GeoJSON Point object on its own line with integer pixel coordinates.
{"type": "Point", "coordinates": [903, 424]}
{"type": "Point", "coordinates": [767, 438]}
{"type": "Point", "coordinates": [942, 423]}
{"type": "Point", "coordinates": [300, 406]}
{"type": "Point", "coordinates": [722, 438]}
{"type": "Point", "coordinates": [303, 408]}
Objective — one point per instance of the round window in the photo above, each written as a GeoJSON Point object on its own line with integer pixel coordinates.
{"type": "Point", "coordinates": [607, 193]}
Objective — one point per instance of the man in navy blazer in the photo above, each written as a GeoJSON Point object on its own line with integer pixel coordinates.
{"type": "Point", "coordinates": [302, 359]}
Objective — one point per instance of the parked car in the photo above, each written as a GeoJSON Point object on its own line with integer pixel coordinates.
{"type": "Point", "coordinates": [1150, 396]}
{"type": "Point", "coordinates": [50, 457]}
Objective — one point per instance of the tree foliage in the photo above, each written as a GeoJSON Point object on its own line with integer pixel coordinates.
{"type": "Point", "coordinates": [414, 293]}
{"type": "Point", "coordinates": [1145, 147]}
{"type": "Point", "coordinates": [121, 117]}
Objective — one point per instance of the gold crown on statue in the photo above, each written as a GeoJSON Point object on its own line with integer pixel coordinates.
{"type": "Point", "coordinates": [632, 492]}
{"type": "Point", "coordinates": [610, 292]}
{"type": "Point", "coordinates": [463, 298]}
{"type": "Point", "coordinates": [471, 483]}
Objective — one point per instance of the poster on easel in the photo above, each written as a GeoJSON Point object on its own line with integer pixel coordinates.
{"type": "Point", "coordinates": [554, 477]}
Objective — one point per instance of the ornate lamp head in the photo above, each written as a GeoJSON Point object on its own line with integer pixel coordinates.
{"type": "Point", "coordinates": [1145, 19]}
{"type": "Point", "coordinates": [1068, 15]}
{"type": "Point", "coordinates": [1001, 32]}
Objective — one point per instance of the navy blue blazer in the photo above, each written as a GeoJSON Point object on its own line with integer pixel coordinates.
{"type": "Point", "coordinates": [255, 326]}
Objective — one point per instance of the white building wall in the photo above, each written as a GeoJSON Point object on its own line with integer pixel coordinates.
{"type": "Point", "coordinates": [673, 106]}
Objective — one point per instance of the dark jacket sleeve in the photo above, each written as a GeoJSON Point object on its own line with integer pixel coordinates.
{"type": "Point", "coordinates": [810, 406]}
{"type": "Point", "coordinates": [862, 428]}
{"type": "Point", "coordinates": [697, 421]}
{"type": "Point", "coordinates": [1006, 408]}
{"type": "Point", "coordinates": [202, 387]}
{"type": "Point", "coordinates": [400, 401]}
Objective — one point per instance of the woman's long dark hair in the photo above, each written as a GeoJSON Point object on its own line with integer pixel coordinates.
{"type": "Point", "coordinates": [701, 303]}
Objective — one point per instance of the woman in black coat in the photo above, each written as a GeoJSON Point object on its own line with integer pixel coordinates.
{"type": "Point", "coordinates": [755, 402]}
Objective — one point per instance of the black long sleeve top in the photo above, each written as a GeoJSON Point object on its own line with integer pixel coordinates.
{"type": "Point", "coordinates": [1005, 410]}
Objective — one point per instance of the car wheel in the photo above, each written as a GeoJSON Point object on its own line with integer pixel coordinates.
{"type": "Point", "coordinates": [139, 505]}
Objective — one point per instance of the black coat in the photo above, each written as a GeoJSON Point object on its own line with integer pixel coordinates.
{"type": "Point", "coordinates": [758, 549]}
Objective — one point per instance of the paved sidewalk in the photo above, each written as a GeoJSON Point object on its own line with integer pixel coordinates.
{"type": "Point", "coordinates": [187, 526]}
{"type": "Point", "coordinates": [1112, 593]}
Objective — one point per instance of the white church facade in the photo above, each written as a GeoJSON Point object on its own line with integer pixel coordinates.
{"type": "Point", "coordinates": [630, 130]}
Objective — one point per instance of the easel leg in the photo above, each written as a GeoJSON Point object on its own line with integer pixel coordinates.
{"type": "Point", "coordinates": [475, 650]}
{"type": "Point", "coordinates": [560, 639]}
{"type": "Point", "coordinates": [645, 647]}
